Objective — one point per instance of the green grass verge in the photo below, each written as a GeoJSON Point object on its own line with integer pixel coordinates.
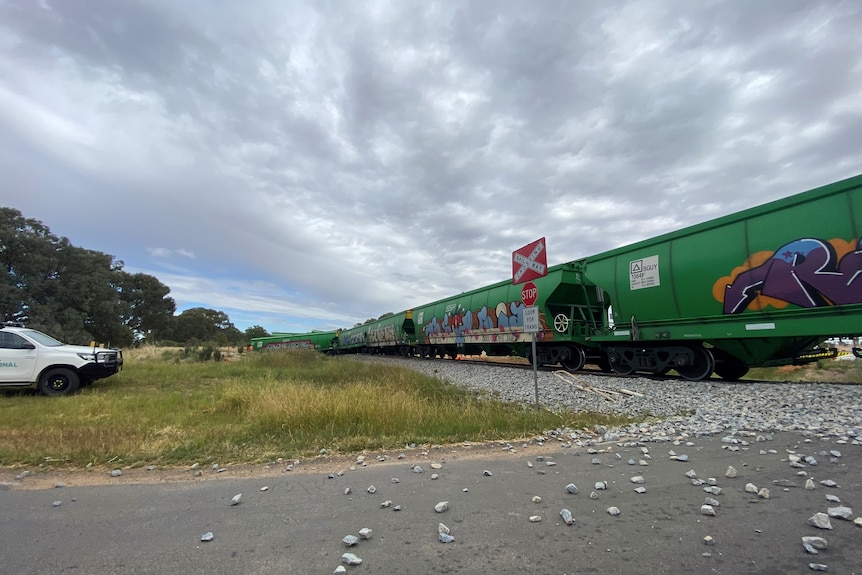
{"type": "Point", "coordinates": [162, 410]}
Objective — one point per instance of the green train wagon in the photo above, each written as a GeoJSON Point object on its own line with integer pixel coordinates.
{"type": "Point", "coordinates": [353, 340]}
{"type": "Point", "coordinates": [325, 341]}
{"type": "Point", "coordinates": [393, 334]}
{"type": "Point", "coordinates": [759, 287]}
{"type": "Point", "coordinates": [490, 320]}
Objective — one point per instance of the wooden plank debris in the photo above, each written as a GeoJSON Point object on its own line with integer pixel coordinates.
{"type": "Point", "coordinates": [607, 394]}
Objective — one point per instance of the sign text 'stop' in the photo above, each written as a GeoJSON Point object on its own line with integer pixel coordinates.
{"type": "Point", "coordinates": [530, 262]}
{"type": "Point", "coordinates": [529, 293]}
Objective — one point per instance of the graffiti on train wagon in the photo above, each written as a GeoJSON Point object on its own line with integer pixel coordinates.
{"type": "Point", "coordinates": [807, 272]}
{"type": "Point", "coordinates": [459, 321]}
{"type": "Point", "coordinates": [382, 335]}
{"type": "Point", "coordinates": [297, 343]}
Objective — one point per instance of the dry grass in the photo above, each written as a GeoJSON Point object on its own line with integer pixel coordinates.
{"type": "Point", "coordinates": [167, 408]}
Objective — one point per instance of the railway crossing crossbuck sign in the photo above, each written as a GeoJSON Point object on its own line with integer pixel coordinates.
{"type": "Point", "coordinates": [530, 262]}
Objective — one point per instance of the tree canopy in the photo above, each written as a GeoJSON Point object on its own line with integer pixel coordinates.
{"type": "Point", "coordinates": [79, 295]}
{"type": "Point", "coordinates": [255, 331]}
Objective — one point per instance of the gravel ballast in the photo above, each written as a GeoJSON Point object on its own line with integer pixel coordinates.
{"type": "Point", "coordinates": [672, 406]}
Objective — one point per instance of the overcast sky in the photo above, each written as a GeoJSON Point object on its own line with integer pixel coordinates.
{"type": "Point", "coordinates": [305, 165]}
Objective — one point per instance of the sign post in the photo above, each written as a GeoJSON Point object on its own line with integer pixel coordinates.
{"type": "Point", "coordinates": [528, 263]}
{"type": "Point", "coordinates": [531, 326]}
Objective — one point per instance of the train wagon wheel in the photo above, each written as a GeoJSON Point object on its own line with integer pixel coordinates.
{"type": "Point", "coordinates": [701, 368]}
{"type": "Point", "coordinates": [561, 323]}
{"type": "Point", "coordinates": [577, 361]}
{"type": "Point", "coordinates": [617, 366]}
{"type": "Point", "coordinates": [621, 369]}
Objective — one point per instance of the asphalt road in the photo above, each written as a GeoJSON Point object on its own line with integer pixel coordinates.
{"type": "Point", "coordinates": [152, 521]}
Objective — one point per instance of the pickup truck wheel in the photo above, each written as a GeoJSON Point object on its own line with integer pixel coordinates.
{"type": "Point", "coordinates": [59, 381]}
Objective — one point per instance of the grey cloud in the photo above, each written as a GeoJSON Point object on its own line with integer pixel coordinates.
{"type": "Point", "coordinates": [372, 156]}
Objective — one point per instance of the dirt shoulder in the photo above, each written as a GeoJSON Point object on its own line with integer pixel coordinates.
{"type": "Point", "coordinates": [42, 478]}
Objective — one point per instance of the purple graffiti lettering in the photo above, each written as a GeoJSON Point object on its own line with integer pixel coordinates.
{"type": "Point", "coordinates": [805, 272]}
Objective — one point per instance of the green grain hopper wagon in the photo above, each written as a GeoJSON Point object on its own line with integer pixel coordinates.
{"type": "Point", "coordinates": [392, 334]}
{"type": "Point", "coordinates": [759, 287]}
{"type": "Point", "coordinates": [324, 341]}
{"type": "Point", "coordinates": [490, 320]}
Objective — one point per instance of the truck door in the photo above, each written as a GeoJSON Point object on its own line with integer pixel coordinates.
{"type": "Point", "coordinates": [17, 362]}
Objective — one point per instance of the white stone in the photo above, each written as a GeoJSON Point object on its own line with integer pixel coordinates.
{"type": "Point", "coordinates": [350, 559]}
{"type": "Point", "coordinates": [840, 512]}
{"type": "Point", "coordinates": [350, 540]}
{"type": "Point", "coordinates": [816, 542]}
{"type": "Point", "coordinates": [820, 520]}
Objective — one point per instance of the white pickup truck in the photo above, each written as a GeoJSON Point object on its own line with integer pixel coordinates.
{"type": "Point", "coordinates": [29, 358]}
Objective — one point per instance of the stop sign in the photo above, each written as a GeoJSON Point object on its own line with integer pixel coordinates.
{"type": "Point", "coordinates": [529, 293]}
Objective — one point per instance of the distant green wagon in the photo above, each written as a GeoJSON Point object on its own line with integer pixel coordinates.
{"type": "Point", "coordinates": [325, 341]}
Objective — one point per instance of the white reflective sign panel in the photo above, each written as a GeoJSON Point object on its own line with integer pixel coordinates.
{"type": "Point", "coordinates": [531, 319]}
